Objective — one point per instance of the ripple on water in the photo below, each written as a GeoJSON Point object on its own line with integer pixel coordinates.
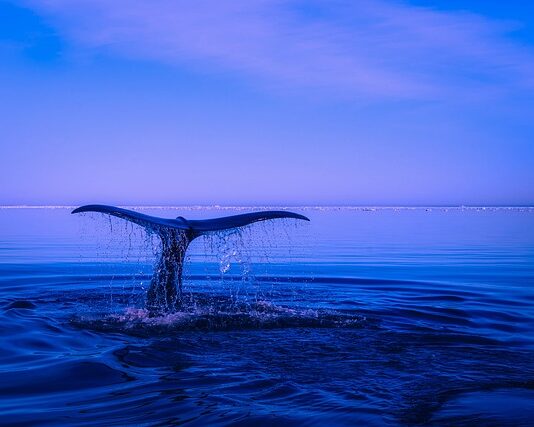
{"type": "Point", "coordinates": [60, 377]}
{"type": "Point", "coordinates": [513, 407]}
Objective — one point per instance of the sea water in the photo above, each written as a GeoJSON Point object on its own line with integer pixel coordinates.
{"type": "Point", "coordinates": [363, 316]}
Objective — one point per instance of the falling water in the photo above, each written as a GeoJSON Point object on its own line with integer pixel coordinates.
{"type": "Point", "coordinates": [223, 284]}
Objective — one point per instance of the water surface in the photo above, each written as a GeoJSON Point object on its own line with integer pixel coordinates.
{"type": "Point", "coordinates": [362, 316]}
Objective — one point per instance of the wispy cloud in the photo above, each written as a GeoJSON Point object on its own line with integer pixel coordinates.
{"type": "Point", "coordinates": [370, 48]}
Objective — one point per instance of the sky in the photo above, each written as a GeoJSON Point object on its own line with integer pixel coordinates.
{"type": "Point", "coordinates": [267, 102]}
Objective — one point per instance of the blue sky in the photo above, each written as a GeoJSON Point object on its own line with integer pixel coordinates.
{"type": "Point", "coordinates": [267, 102]}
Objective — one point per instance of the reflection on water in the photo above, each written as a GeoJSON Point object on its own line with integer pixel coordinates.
{"type": "Point", "coordinates": [373, 317]}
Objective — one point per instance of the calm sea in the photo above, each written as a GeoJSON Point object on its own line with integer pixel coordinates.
{"type": "Point", "coordinates": [360, 317]}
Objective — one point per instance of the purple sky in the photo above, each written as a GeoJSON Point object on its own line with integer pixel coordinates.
{"type": "Point", "coordinates": [267, 102]}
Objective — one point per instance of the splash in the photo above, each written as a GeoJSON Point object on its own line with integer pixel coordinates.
{"type": "Point", "coordinates": [218, 314]}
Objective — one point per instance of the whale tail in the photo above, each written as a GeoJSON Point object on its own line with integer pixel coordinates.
{"type": "Point", "coordinates": [165, 291]}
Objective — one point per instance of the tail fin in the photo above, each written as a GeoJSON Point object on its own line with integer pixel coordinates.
{"type": "Point", "coordinates": [197, 227]}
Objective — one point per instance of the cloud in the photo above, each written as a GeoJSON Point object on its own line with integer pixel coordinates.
{"type": "Point", "coordinates": [369, 48]}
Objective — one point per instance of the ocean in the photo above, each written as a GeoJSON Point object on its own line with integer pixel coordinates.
{"type": "Point", "coordinates": [363, 316]}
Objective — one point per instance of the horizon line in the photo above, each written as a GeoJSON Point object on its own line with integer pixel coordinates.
{"type": "Point", "coordinates": [263, 206]}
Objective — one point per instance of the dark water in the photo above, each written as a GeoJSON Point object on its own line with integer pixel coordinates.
{"type": "Point", "coordinates": [384, 317]}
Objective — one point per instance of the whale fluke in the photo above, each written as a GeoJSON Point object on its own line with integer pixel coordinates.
{"type": "Point", "coordinates": [165, 290]}
{"type": "Point", "coordinates": [196, 226]}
